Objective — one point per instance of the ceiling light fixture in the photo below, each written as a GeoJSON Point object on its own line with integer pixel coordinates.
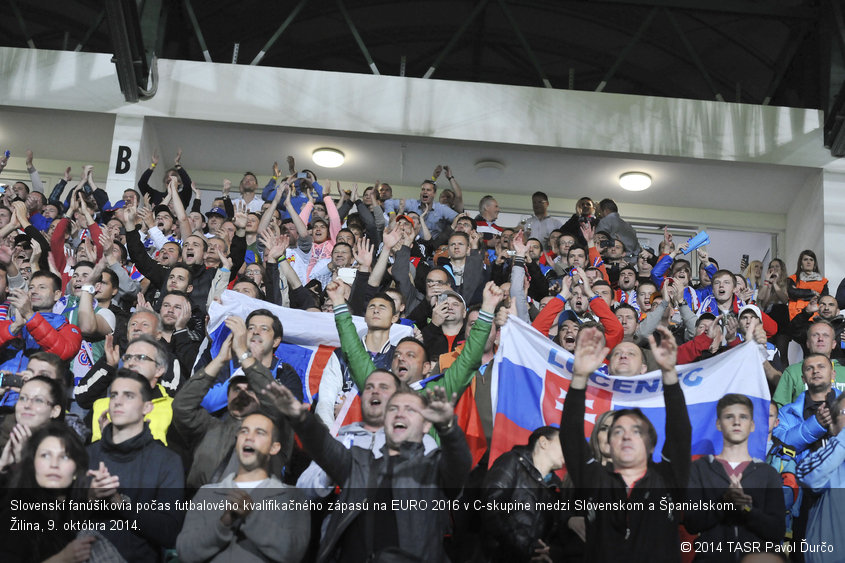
{"type": "Point", "coordinates": [328, 158]}
{"type": "Point", "coordinates": [489, 170]}
{"type": "Point", "coordinates": [635, 181]}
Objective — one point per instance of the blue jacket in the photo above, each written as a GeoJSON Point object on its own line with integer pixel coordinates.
{"type": "Point", "coordinates": [693, 296]}
{"type": "Point", "coordinates": [793, 430]}
{"type": "Point", "coordinates": [298, 199]}
{"type": "Point", "coordinates": [824, 472]}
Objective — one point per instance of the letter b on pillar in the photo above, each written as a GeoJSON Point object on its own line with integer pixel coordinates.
{"type": "Point", "coordinates": [124, 153]}
{"type": "Point", "coordinates": [130, 137]}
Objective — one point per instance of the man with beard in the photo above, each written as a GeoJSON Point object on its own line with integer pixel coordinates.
{"type": "Point", "coordinates": [248, 187]}
{"type": "Point", "coordinates": [215, 436]}
{"type": "Point", "coordinates": [826, 308]}
{"type": "Point", "coordinates": [627, 292]}
{"type": "Point", "coordinates": [821, 339]}
{"type": "Point", "coordinates": [367, 434]}
{"type": "Point", "coordinates": [247, 528]}
{"type": "Point", "coordinates": [182, 343]}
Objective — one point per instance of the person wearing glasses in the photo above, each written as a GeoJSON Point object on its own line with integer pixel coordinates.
{"type": "Point", "coordinates": [41, 400]}
{"type": "Point", "coordinates": [148, 358]}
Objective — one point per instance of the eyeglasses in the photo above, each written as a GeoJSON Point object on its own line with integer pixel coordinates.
{"type": "Point", "coordinates": [36, 401]}
{"type": "Point", "coordinates": [432, 283]}
{"type": "Point", "coordinates": [139, 357]}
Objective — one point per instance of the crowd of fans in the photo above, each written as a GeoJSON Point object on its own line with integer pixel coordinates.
{"type": "Point", "coordinates": [110, 392]}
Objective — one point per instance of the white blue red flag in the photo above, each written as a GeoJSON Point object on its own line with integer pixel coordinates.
{"type": "Point", "coordinates": [532, 374]}
{"type": "Point", "coordinates": [309, 337]}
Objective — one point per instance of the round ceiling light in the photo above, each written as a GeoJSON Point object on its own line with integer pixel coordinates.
{"type": "Point", "coordinates": [635, 181]}
{"type": "Point", "coordinates": [328, 158]}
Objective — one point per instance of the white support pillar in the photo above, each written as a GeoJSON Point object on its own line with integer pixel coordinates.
{"type": "Point", "coordinates": [133, 143]}
{"type": "Point", "coordinates": [833, 262]}
{"type": "Point", "coordinates": [804, 227]}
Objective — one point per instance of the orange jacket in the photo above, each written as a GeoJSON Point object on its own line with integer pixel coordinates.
{"type": "Point", "coordinates": [797, 305]}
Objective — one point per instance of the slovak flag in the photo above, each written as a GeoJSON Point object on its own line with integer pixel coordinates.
{"type": "Point", "coordinates": [309, 338]}
{"type": "Point", "coordinates": [531, 377]}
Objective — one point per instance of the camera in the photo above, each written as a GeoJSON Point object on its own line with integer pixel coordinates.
{"type": "Point", "coordinates": [9, 379]}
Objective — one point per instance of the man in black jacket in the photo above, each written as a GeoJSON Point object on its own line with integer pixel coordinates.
{"type": "Point", "coordinates": [627, 523]}
{"type": "Point", "coordinates": [193, 254]}
{"type": "Point", "coordinates": [828, 309]}
{"type": "Point", "coordinates": [752, 487]}
{"type": "Point", "coordinates": [402, 474]}
{"type": "Point", "coordinates": [129, 468]}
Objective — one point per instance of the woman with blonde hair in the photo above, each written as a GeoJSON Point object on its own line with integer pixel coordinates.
{"type": "Point", "coordinates": [753, 275]}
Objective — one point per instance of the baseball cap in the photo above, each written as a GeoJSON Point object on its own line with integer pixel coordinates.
{"type": "Point", "coordinates": [119, 204]}
{"type": "Point", "coordinates": [754, 308]}
{"type": "Point", "coordinates": [456, 295]}
{"type": "Point", "coordinates": [568, 315]}
{"type": "Point", "coordinates": [216, 211]}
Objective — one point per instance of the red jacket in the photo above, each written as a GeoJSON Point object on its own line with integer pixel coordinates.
{"type": "Point", "coordinates": [613, 331]}
{"type": "Point", "coordinates": [63, 341]}
{"type": "Point", "coordinates": [57, 246]}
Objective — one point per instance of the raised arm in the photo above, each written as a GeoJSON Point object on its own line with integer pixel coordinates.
{"type": "Point", "coordinates": [37, 185]}
{"type": "Point", "coordinates": [360, 363]}
{"type": "Point", "coordinates": [92, 325]}
{"type": "Point", "coordinates": [389, 240]}
{"type": "Point", "coordinates": [458, 204]}
{"type": "Point", "coordinates": [179, 207]}
{"type": "Point", "coordinates": [590, 352]}
{"type": "Point", "coordinates": [301, 228]}
{"type": "Point", "coordinates": [678, 444]}
{"type": "Point", "coordinates": [459, 375]}
{"type": "Point", "coordinates": [331, 209]}
{"type": "Point", "coordinates": [267, 216]}
{"type": "Point", "coordinates": [329, 454]}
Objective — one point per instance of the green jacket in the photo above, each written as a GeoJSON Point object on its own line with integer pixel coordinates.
{"type": "Point", "coordinates": [456, 379]}
{"type": "Point", "coordinates": [791, 383]}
